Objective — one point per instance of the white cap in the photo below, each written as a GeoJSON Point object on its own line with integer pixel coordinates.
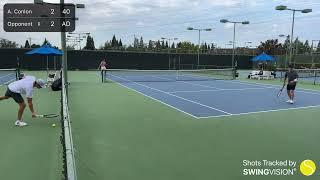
{"type": "Point", "coordinates": [41, 83]}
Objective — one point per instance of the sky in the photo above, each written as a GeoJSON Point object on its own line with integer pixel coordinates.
{"type": "Point", "coordinates": [153, 19]}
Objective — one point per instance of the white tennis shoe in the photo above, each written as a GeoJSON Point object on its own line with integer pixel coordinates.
{"type": "Point", "coordinates": [288, 101]}
{"type": "Point", "coordinates": [20, 123]}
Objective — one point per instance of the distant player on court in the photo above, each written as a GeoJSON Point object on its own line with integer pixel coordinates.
{"type": "Point", "coordinates": [24, 86]}
{"type": "Point", "coordinates": [103, 67]}
{"type": "Point", "coordinates": [292, 77]}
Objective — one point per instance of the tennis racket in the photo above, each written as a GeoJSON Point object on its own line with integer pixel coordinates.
{"type": "Point", "coordinates": [47, 116]}
{"type": "Point", "coordinates": [280, 92]}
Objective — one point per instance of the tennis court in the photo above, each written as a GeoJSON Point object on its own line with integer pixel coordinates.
{"type": "Point", "coordinates": [36, 150]}
{"type": "Point", "coordinates": [140, 128]}
{"type": "Point", "coordinates": [206, 96]}
{"type": "Point", "coordinates": [8, 75]}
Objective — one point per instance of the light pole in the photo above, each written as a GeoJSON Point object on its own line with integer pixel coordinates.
{"type": "Point", "coordinates": [79, 37]}
{"type": "Point", "coordinates": [228, 44]}
{"type": "Point", "coordinates": [169, 47]}
{"type": "Point", "coordinates": [286, 61]}
{"type": "Point", "coordinates": [282, 8]}
{"type": "Point", "coordinates": [195, 29]}
{"type": "Point", "coordinates": [234, 37]}
{"type": "Point", "coordinates": [312, 53]}
{"type": "Point", "coordinates": [245, 44]}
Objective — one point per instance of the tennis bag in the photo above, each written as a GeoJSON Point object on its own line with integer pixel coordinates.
{"type": "Point", "coordinates": [57, 85]}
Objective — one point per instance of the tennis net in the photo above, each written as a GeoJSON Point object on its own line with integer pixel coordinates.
{"type": "Point", "coordinates": [69, 171]}
{"type": "Point", "coordinates": [128, 75]}
{"type": "Point", "coordinates": [306, 75]}
{"type": "Point", "coordinates": [8, 75]}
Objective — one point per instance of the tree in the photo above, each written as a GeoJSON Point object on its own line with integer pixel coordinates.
{"type": "Point", "coordinates": [298, 47]}
{"type": "Point", "coordinates": [141, 43]}
{"type": "Point", "coordinates": [120, 44]}
{"type": "Point", "coordinates": [271, 47]}
{"type": "Point", "coordinates": [45, 42]}
{"type": "Point", "coordinates": [173, 46]}
{"type": "Point", "coordinates": [114, 42]}
{"type": "Point", "coordinates": [186, 47]}
{"type": "Point", "coordinates": [35, 46]}
{"type": "Point", "coordinates": [162, 45]}
{"type": "Point", "coordinates": [318, 47]}
{"type": "Point", "coordinates": [150, 45]}
{"type": "Point", "coordinates": [27, 44]}
{"type": "Point", "coordinates": [158, 45]}
{"type": "Point", "coordinates": [90, 44]}
{"type": "Point", "coordinates": [4, 43]}
{"type": "Point", "coordinates": [307, 47]}
{"type": "Point", "coordinates": [286, 44]}
{"type": "Point", "coordinates": [70, 47]}
{"type": "Point", "coordinates": [167, 45]}
{"type": "Point", "coordinates": [136, 43]}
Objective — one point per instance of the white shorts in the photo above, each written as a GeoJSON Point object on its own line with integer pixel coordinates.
{"type": "Point", "coordinates": [103, 68]}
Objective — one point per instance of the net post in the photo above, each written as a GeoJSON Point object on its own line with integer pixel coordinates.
{"type": "Point", "coordinates": [315, 77]}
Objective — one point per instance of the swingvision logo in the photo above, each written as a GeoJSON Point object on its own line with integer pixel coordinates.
{"type": "Point", "coordinates": [308, 167]}
{"type": "Point", "coordinates": [277, 168]}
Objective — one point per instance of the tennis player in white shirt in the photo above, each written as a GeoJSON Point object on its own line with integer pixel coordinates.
{"type": "Point", "coordinates": [25, 87]}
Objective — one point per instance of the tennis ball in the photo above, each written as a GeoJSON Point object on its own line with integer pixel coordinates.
{"type": "Point", "coordinates": [307, 167]}
{"type": "Point", "coordinates": [53, 125]}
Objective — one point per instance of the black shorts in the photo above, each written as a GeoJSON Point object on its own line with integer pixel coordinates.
{"type": "Point", "coordinates": [291, 87]}
{"type": "Point", "coordinates": [16, 96]}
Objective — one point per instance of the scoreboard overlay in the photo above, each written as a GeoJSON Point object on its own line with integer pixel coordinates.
{"type": "Point", "coordinates": [44, 17]}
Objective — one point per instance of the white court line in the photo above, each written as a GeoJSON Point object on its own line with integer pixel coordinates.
{"type": "Point", "coordinates": [229, 114]}
{"type": "Point", "coordinates": [174, 95]}
{"type": "Point", "coordinates": [211, 87]}
{"type": "Point", "coordinates": [7, 82]}
{"type": "Point", "coordinates": [244, 89]}
{"type": "Point", "coordinates": [258, 112]}
{"type": "Point", "coordinates": [272, 86]}
{"type": "Point", "coordinates": [6, 75]}
{"type": "Point", "coordinates": [307, 91]}
{"type": "Point", "coordinates": [155, 99]}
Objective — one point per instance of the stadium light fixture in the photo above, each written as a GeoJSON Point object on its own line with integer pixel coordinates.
{"type": "Point", "coordinates": [80, 6]}
{"type": "Point", "coordinates": [224, 20]}
{"type": "Point", "coordinates": [169, 47]}
{"type": "Point", "coordinates": [199, 30]}
{"type": "Point", "coordinates": [38, 1]}
{"type": "Point", "coordinates": [234, 36]}
{"type": "Point", "coordinates": [304, 11]}
{"type": "Point", "coordinates": [281, 8]}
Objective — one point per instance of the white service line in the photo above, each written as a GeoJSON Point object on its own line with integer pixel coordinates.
{"type": "Point", "coordinates": [194, 102]}
{"type": "Point", "coordinates": [257, 112]}
{"type": "Point", "coordinates": [211, 87]}
{"type": "Point", "coordinates": [273, 86]}
{"type": "Point", "coordinates": [207, 90]}
{"type": "Point", "coordinates": [154, 99]}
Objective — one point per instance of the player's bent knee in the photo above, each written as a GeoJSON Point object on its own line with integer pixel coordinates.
{"type": "Point", "coordinates": [22, 105]}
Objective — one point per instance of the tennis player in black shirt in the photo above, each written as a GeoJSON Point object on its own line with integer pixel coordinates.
{"type": "Point", "coordinates": [292, 77]}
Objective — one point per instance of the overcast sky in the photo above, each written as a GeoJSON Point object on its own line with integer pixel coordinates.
{"type": "Point", "coordinates": [154, 19]}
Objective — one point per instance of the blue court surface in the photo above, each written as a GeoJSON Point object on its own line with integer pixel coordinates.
{"type": "Point", "coordinates": [7, 76]}
{"type": "Point", "coordinates": [217, 98]}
